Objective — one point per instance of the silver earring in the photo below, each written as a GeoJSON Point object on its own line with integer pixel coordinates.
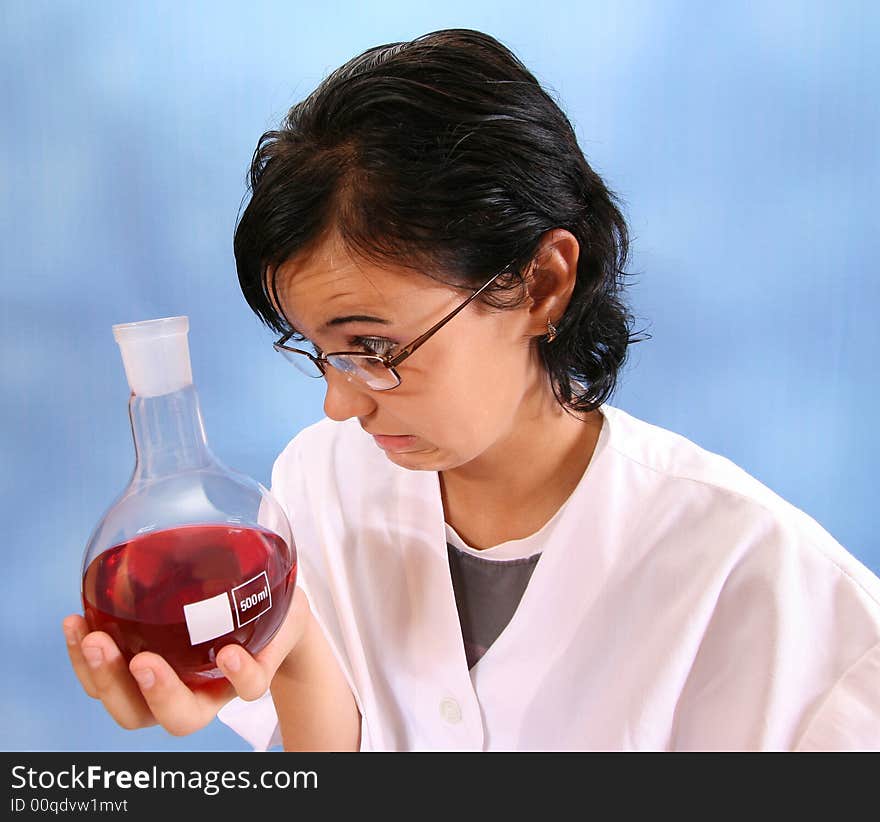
{"type": "Point", "coordinates": [551, 331]}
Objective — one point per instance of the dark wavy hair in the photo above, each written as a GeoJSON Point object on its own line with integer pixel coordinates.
{"type": "Point", "coordinates": [444, 154]}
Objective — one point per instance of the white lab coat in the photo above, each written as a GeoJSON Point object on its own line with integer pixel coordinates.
{"type": "Point", "coordinates": [679, 604]}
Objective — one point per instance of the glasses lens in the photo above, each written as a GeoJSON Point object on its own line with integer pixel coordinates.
{"type": "Point", "coordinates": [303, 363]}
{"type": "Point", "coordinates": [367, 369]}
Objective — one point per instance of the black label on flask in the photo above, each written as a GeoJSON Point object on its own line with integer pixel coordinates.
{"type": "Point", "coordinates": [252, 599]}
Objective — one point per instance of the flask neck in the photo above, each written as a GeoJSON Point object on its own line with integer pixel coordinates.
{"type": "Point", "coordinates": [169, 434]}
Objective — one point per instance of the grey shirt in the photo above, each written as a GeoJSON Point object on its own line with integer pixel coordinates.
{"type": "Point", "coordinates": [487, 592]}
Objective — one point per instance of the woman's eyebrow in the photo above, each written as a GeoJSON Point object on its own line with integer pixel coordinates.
{"type": "Point", "coordinates": [353, 318]}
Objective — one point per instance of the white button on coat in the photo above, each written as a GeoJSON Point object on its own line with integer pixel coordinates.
{"type": "Point", "coordinates": [679, 604]}
{"type": "Point", "coordinates": [450, 710]}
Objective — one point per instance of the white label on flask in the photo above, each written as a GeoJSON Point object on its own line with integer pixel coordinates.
{"type": "Point", "coordinates": [252, 599]}
{"type": "Point", "coordinates": [208, 618]}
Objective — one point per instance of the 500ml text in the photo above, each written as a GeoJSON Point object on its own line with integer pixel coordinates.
{"type": "Point", "coordinates": [253, 599]}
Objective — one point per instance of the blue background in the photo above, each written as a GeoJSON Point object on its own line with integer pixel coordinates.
{"type": "Point", "coordinates": [742, 137]}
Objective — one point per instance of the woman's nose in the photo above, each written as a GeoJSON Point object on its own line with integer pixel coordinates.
{"type": "Point", "coordinates": [346, 397]}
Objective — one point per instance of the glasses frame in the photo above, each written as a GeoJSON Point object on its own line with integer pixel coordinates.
{"type": "Point", "coordinates": [391, 363]}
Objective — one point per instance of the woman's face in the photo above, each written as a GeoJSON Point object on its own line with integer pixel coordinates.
{"type": "Point", "coordinates": [460, 392]}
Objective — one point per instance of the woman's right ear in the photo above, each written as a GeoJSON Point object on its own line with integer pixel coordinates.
{"type": "Point", "coordinates": [551, 278]}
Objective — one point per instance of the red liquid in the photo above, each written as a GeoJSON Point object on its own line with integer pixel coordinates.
{"type": "Point", "coordinates": [136, 592]}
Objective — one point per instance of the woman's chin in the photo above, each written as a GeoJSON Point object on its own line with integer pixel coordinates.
{"type": "Point", "coordinates": [417, 458]}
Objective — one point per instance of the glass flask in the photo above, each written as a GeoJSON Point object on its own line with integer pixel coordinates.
{"type": "Point", "coordinates": [192, 555]}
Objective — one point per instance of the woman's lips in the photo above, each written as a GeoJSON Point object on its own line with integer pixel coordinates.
{"type": "Point", "coordinates": [395, 443]}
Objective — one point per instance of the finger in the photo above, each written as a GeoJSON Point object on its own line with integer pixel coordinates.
{"type": "Point", "coordinates": [252, 675]}
{"type": "Point", "coordinates": [75, 628]}
{"type": "Point", "coordinates": [247, 676]}
{"type": "Point", "coordinates": [289, 634]}
{"type": "Point", "coordinates": [115, 686]}
{"type": "Point", "coordinates": [176, 707]}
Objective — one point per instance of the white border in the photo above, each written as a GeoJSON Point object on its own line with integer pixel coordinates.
{"type": "Point", "coordinates": [235, 600]}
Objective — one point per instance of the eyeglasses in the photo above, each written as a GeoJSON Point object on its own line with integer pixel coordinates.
{"type": "Point", "coordinates": [376, 371]}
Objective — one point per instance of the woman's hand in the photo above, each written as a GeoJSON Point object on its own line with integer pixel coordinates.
{"type": "Point", "coordinates": [147, 691]}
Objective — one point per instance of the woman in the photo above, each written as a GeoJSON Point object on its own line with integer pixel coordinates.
{"type": "Point", "coordinates": [491, 556]}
